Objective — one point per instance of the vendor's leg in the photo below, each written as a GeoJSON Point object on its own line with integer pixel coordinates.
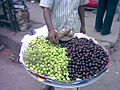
{"type": "Point", "coordinates": [47, 88]}
{"type": "Point", "coordinates": [111, 8]}
{"type": "Point", "coordinates": [100, 13]}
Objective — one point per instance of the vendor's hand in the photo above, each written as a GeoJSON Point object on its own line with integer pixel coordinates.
{"type": "Point", "coordinates": [53, 37]}
{"type": "Point", "coordinates": [82, 30]}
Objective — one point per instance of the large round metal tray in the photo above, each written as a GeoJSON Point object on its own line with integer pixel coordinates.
{"type": "Point", "coordinates": [52, 82]}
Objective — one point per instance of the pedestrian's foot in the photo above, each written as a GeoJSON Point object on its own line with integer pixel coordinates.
{"type": "Point", "coordinates": [97, 30]}
{"type": "Point", "coordinates": [2, 47]}
{"type": "Point", "coordinates": [32, 1]}
{"type": "Point", "coordinates": [14, 59]}
{"type": "Point", "coordinates": [105, 33]}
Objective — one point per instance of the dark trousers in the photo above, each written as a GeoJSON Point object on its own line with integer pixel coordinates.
{"type": "Point", "coordinates": [108, 6]}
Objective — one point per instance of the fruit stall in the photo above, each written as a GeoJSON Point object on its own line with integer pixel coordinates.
{"type": "Point", "coordinates": [70, 64]}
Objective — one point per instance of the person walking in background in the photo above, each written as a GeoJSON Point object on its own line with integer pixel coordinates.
{"type": "Point", "coordinates": [61, 14]}
{"type": "Point", "coordinates": [108, 6]}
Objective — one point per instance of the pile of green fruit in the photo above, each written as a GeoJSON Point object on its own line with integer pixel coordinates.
{"type": "Point", "coordinates": [45, 58]}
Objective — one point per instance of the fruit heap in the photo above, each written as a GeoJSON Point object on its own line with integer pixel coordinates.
{"type": "Point", "coordinates": [87, 58]}
{"type": "Point", "coordinates": [79, 58]}
{"type": "Point", "coordinates": [45, 58]}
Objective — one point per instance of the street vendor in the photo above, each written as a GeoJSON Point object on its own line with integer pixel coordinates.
{"type": "Point", "coordinates": [63, 14]}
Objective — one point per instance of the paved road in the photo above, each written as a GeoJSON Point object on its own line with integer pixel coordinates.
{"type": "Point", "coordinates": [14, 77]}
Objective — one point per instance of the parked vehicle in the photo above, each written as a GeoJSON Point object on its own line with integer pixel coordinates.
{"type": "Point", "coordinates": [92, 3]}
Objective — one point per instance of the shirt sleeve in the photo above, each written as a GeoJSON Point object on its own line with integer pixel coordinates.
{"type": "Point", "coordinates": [83, 2]}
{"type": "Point", "coordinates": [46, 3]}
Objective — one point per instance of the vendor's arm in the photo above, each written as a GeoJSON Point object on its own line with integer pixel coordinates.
{"type": "Point", "coordinates": [52, 36]}
{"type": "Point", "coordinates": [82, 18]}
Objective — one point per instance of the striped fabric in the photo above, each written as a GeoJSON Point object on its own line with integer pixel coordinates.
{"type": "Point", "coordinates": [64, 13]}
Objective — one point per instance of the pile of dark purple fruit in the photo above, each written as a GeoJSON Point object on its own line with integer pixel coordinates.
{"type": "Point", "coordinates": [87, 58]}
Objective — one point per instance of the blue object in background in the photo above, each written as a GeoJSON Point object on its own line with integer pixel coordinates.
{"type": "Point", "coordinates": [19, 3]}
